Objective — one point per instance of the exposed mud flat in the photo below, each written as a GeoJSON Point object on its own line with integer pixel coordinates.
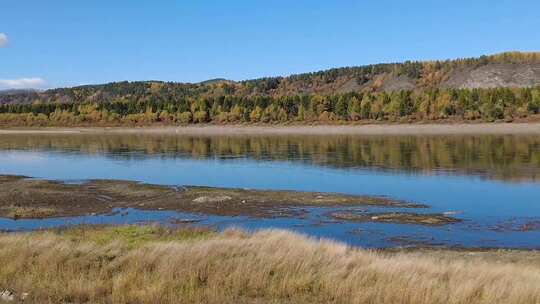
{"type": "Point", "coordinates": [25, 198]}
{"type": "Point", "coordinates": [396, 218]}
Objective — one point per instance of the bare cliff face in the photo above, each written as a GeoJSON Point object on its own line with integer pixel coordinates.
{"type": "Point", "coordinates": [497, 75]}
{"type": "Point", "coordinates": [494, 76]}
{"type": "Point", "coordinates": [508, 70]}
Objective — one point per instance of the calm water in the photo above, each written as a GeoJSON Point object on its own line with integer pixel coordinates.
{"type": "Point", "coordinates": [491, 181]}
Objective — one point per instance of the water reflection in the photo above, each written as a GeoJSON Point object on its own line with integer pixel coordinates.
{"type": "Point", "coordinates": [473, 176]}
{"type": "Point", "coordinates": [501, 157]}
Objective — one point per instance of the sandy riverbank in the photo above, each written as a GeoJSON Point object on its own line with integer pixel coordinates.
{"type": "Point", "coordinates": [375, 129]}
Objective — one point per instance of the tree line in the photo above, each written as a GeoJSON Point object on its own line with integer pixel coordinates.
{"type": "Point", "coordinates": [405, 105]}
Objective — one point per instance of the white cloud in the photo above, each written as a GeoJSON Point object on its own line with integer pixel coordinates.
{"type": "Point", "coordinates": [3, 39]}
{"type": "Point", "coordinates": [22, 83]}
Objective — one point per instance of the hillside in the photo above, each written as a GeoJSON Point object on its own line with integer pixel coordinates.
{"type": "Point", "coordinates": [515, 70]}
{"type": "Point", "coordinates": [504, 86]}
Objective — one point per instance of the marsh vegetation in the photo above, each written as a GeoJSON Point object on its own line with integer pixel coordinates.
{"type": "Point", "coordinates": [149, 264]}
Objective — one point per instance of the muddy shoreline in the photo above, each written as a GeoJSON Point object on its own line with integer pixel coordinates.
{"type": "Point", "coordinates": [23, 198]}
{"type": "Point", "coordinates": [395, 217]}
{"type": "Point", "coordinates": [368, 129]}
{"type": "Point", "coordinates": [26, 198]}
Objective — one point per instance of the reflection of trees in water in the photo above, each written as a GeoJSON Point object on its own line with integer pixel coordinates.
{"type": "Point", "coordinates": [499, 157]}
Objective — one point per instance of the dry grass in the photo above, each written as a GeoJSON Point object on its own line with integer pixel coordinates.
{"type": "Point", "coordinates": [155, 265]}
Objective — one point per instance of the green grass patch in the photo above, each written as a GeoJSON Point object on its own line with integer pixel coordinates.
{"type": "Point", "coordinates": [134, 236]}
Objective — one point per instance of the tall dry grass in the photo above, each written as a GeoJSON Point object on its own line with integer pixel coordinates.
{"type": "Point", "coordinates": [265, 267]}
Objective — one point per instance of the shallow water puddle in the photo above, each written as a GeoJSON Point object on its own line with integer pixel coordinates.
{"type": "Point", "coordinates": [314, 222]}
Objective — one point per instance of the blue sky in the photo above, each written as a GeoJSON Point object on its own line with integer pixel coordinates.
{"type": "Point", "coordinates": [66, 42]}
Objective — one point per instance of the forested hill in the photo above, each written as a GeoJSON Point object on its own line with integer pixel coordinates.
{"type": "Point", "coordinates": [513, 70]}
{"type": "Point", "coordinates": [490, 88]}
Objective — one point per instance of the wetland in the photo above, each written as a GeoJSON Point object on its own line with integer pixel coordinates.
{"type": "Point", "coordinates": [367, 190]}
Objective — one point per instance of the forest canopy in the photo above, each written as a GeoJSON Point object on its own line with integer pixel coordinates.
{"type": "Point", "coordinates": [463, 104]}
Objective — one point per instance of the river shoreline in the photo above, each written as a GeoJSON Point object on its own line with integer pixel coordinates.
{"type": "Point", "coordinates": [231, 130]}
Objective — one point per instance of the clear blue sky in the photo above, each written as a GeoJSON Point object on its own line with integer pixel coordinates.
{"type": "Point", "coordinates": [71, 42]}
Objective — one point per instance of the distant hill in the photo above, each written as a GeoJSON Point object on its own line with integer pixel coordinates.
{"type": "Point", "coordinates": [511, 70]}
{"type": "Point", "coordinates": [18, 95]}
{"type": "Point", "coordinates": [17, 91]}
{"type": "Point", "coordinates": [216, 81]}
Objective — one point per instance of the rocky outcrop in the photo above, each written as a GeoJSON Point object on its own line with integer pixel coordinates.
{"type": "Point", "coordinates": [494, 76]}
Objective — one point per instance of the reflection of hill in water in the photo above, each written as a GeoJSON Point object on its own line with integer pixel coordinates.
{"type": "Point", "coordinates": [508, 158]}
